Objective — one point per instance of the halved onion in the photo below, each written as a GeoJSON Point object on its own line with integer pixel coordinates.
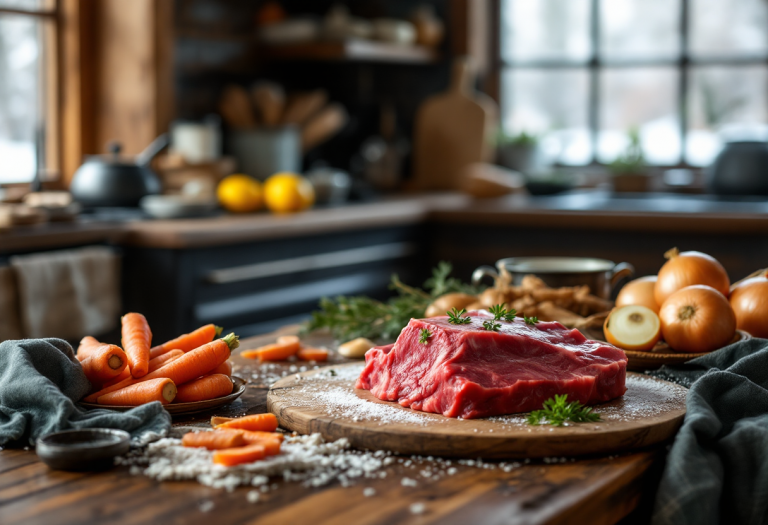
{"type": "Point", "coordinates": [633, 327]}
{"type": "Point", "coordinates": [749, 300]}
{"type": "Point", "coordinates": [697, 319]}
{"type": "Point", "coordinates": [689, 268]}
{"type": "Point", "coordinates": [640, 292]}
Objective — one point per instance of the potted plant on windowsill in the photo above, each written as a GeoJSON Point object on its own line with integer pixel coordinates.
{"type": "Point", "coordinates": [518, 152]}
{"type": "Point", "coordinates": [629, 170]}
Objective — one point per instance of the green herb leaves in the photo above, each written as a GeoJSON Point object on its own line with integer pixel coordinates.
{"type": "Point", "coordinates": [491, 325]}
{"type": "Point", "coordinates": [455, 316]}
{"type": "Point", "coordinates": [556, 411]}
{"type": "Point", "coordinates": [499, 312]}
{"type": "Point", "coordinates": [531, 320]}
{"type": "Point", "coordinates": [424, 335]}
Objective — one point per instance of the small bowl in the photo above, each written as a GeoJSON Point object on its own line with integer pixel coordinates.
{"type": "Point", "coordinates": [82, 450]}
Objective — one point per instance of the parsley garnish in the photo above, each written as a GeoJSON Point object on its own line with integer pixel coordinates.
{"type": "Point", "coordinates": [531, 320]}
{"type": "Point", "coordinates": [557, 410]}
{"type": "Point", "coordinates": [455, 316]}
{"type": "Point", "coordinates": [424, 335]}
{"type": "Point", "coordinates": [492, 326]}
{"type": "Point", "coordinates": [499, 312]}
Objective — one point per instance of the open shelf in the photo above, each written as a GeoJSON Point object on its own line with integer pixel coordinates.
{"type": "Point", "coordinates": [351, 51]}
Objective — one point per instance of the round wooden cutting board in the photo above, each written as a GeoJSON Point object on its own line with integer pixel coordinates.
{"type": "Point", "coordinates": [326, 401]}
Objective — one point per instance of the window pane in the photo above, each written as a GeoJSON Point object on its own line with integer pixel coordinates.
{"type": "Point", "coordinates": [30, 5]}
{"type": "Point", "coordinates": [552, 105]}
{"type": "Point", "coordinates": [640, 28]}
{"type": "Point", "coordinates": [19, 104]}
{"type": "Point", "coordinates": [725, 102]}
{"type": "Point", "coordinates": [720, 27]}
{"type": "Point", "coordinates": [641, 98]}
{"type": "Point", "coordinates": [545, 29]}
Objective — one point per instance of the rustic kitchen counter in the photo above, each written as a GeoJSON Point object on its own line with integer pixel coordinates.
{"type": "Point", "coordinates": [593, 490]}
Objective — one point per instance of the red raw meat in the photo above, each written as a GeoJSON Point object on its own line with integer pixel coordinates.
{"type": "Point", "coordinates": [467, 371]}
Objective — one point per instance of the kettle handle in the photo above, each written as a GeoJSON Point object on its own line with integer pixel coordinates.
{"type": "Point", "coordinates": [151, 151]}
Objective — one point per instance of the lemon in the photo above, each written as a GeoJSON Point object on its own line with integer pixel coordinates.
{"type": "Point", "coordinates": [240, 193]}
{"type": "Point", "coordinates": [288, 192]}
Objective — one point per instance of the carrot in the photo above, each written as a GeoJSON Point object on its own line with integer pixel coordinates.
{"type": "Point", "coordinates": [237, 456]}
{"type": "Point", "coordinates": [274, 352]}
{"type": "Point", "coordinates": [104, 363]}
{"type": "Point", "coordinates": [208, 387]}
{"type": "Point", "coordinates": [164, 359]}
{"type": "Point", "coordinates": [125, 374]}
{"type": "Point", "coordinates": [288, 340]}
{"type": "Point", "coordinates": [87, 346]}
{"type": "Point", "coordinates": [313, 354]}
{"type": "Point", "coordinates": [255, 435]}
{"type": "Point", "coordinates": [161, 389]}
{"type": "Point", "coordinates": [224, 368]}
{"type": "Point", "coordinates": [264, 422]}
{"type": "Point", "coordinates": [218, 420]}
{"type": "Point", "coordinates": [137, 338]}
{"type": "Point", "coordinates": [187, 342]}
{"type": "Point", "coordinates": [189, 366]}
{"type": "Point", "coordinates": [214, 440]}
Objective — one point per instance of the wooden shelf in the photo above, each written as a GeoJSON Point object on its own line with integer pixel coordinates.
{"type": "Point", "coordinates": [351, 51]}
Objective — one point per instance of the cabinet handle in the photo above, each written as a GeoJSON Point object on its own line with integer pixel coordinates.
{"type": "Point", "coordinates": [380, 252]}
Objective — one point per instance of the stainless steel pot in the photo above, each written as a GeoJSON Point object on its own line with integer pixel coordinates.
{"type": "Point", "coordinates": [601, 275]}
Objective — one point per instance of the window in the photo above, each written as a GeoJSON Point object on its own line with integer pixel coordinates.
{"type": "Point", "coordinates": [28, 96]}
{"type": "Point", "coordinates": [685, 74]}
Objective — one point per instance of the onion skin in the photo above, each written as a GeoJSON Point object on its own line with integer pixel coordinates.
{"type": "Point", "coordinates": [443, 304]}
{"type": "Point", "coordinates": [639, 292]}
{"type": "Point", "coordinates": [687, 269]}
{"type": "Point", "coordinates": [697, 319]}
{"type": "Point", "coordinates": [749, 300]}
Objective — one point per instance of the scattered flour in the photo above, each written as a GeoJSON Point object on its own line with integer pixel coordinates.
{"type": "Point", "coordinates": [418, 508]}
{"type": "Point", "coordinates": [369, 491]}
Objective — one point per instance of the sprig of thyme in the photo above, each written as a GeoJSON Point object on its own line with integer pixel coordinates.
{"type": "Point", "coordinates": [531, 320]}
{"type": "Point", "coordinates": [424, 335]}
{"type": "Point", "coordinates": [556, 411]}
{"type": "Point", "coordinates": [491, 325]}
{"type": "Point", "coordinates": [499, 312]}
{"type": "Point", "coordinates": [455, 316]}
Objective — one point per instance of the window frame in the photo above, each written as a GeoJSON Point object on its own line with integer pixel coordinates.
{"type": "Point", "coordinates": [684, 63]}
{"type": "Point", "coordinates": [51, 154]}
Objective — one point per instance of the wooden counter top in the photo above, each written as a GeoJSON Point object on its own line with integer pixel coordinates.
{"type": "Point", "coordinates": [594, 490]}
{"type": "Point", "coordinates": [588, 210]}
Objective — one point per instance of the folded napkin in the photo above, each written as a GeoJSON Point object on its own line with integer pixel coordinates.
{"type": "Point", "coordinates": [40, 381]}
{"type": "Point", "coordinates": [717, 469]}
{"type": "Point", "coordinates": [69, 293]}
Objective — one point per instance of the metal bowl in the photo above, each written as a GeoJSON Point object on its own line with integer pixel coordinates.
{"type": "Point", "coordinates": [82, 450]}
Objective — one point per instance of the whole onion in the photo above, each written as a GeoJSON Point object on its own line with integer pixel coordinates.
{"type": "Point", "coordinates": [639, 293]}
{"type": "Point", "coordinates": [697, 319]}
{"type": "Point", "coordinates": [687, 269]}
{"type": "Point", "coordinates": [749, 300]}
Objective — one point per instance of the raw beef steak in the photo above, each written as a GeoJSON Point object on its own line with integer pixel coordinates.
{"type": "Point", "coordinates": [470, 372]}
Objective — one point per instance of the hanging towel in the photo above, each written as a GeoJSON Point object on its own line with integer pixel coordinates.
{"type": "Point", "coordinates": [10, 324]}
{"type": "Point", "coordinates": [68, 294]}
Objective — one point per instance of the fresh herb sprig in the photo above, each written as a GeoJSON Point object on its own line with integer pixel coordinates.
{"type": "Point", "coordinates": [424, 335]}
{"type": "Point", "coordinates": [491, 325]}
{"type": "Point", "coordinates": [499, 312]}
{"type": "Point", "coordinates": [455, 316]}
{"type": "Point", "coordinates": [557, 410]}
{"type": "Point", "coordinates": [530, 320]}
{"type": "Point", "coordinates": [349, 317]}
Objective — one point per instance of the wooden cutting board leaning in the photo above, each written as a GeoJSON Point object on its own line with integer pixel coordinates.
{"type": "Point", "coordinates": [453, 129]}
{"type": "Point", "coordinates": [326, 401]}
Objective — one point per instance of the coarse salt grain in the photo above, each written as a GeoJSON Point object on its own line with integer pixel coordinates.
{"type": "Point", "coordinates": [369, 491]}
{"type": "Point", "coordinates": [418, 508]}
{"type": "Point", "coordinates": [408, 482]}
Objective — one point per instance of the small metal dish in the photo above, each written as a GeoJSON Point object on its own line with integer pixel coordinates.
{"type": "Point", "coordinates": [82, 450]}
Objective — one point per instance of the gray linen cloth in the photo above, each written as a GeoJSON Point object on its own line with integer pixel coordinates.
{"type": "Point", "coordinates": [68, 293]}
{"type": "Point", "coordinates": [717, 469]}
{"type": "Point", "coordinates": [40, 382]}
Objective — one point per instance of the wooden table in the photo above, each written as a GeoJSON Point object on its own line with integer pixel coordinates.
{"type": "Point", "coordinates": [595, 491]}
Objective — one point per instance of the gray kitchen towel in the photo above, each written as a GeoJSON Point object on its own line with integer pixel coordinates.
{"type": "Point", "coordinates": [717, 469]}
{"type": "Point", "coordinates": [69, 293]}
{"type": "Point", "coordinates": [40, 382]}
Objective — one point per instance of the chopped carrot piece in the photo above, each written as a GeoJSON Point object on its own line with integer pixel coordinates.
{"type": "Point", "coordinates": [204, 388]}
{"type": "Point", "coordinates": [218, 420]}
{"type": "Point", "coordinates": [274, 352]}
{"type": "Point", "coordinates": [161, 389]}
{"type": "Point", "coordinates": [313, 354]}
{"type": "Point", "coordinates": [214, 440]}
{"type": "Point", "coordinates": [237, 456]}
{"type": "Point", "coordinates": [255, 435]}
{"type": "Point", "coordinates": [288, 340]}
{"type": "Point", "coordinates": [263, 422]}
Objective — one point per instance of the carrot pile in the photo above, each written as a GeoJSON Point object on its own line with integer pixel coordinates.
{"type": "Point", "coordinates": [239, 440]}
{"type": "Point", "coordinates": [192, 367]}
{"type": "Point", "coordinates": [286, 346]}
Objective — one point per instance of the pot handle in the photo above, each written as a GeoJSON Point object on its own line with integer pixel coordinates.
{"type": "Point", "coordinates": [483, 271]}
{"type": "Point", "coordinates": [151, 151]}
{"type": "Point", "coordinates": [621, 271]}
